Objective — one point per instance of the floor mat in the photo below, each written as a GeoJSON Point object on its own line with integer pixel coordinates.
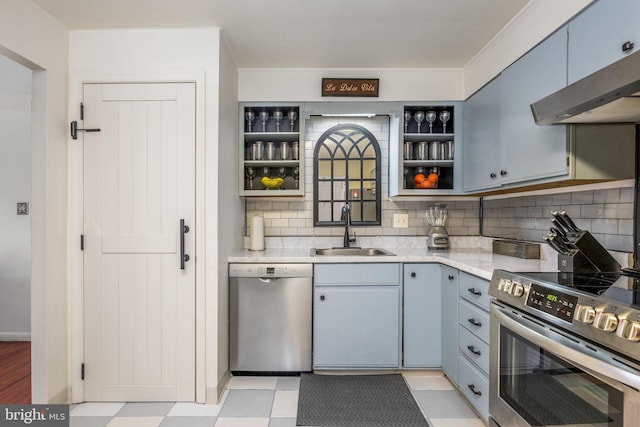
{"type": "Point", "coordinates": [357, 401]}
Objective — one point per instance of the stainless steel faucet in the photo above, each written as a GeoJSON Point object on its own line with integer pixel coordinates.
{"type": "Point", "coordinates": [346, 217]}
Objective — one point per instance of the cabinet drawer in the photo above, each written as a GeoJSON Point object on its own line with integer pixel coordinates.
{"type": "Point", "coordinates": [475, 320]}
{"type": "Point", "coordinates": [475, 387]}
{"type": "Point", "coordinates": [475, 349]}
{"type": "Point", "coordinates": [353, 274]}
{"type": "Point", "coordinates": [474, 289]}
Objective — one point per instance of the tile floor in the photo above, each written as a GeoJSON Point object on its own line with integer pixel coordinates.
{"type": "Point", "coordinates": [267, 402]}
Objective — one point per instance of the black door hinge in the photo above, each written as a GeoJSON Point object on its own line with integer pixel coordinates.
{"type": "Point", "coordinates": [74, 125]}
{"type": "Point", "coordinates": [82, 371]}
{"type": "Point", "coordinates": [82, 242]}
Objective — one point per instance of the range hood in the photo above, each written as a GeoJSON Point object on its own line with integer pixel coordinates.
{"type": "Point", "coordinates": [610, 95]}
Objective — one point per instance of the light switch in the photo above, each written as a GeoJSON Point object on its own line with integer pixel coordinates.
{"type": "Point", "coordinates": [400, 220]}
{"type": "Point", "coordinates": [23, 208]}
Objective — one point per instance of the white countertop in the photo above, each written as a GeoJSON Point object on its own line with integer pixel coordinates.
{"type": "Point", "coordinates": [476, 261]}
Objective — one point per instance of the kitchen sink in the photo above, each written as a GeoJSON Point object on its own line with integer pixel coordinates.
{"type": "Point", "coordinates": [350, 252]}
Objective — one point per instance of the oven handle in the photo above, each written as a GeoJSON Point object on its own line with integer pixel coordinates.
{"type": "Point", "coordinates": [596, 367]}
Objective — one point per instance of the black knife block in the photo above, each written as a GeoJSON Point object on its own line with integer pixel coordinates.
{"type": "Point", "coordinates": [588, 257]}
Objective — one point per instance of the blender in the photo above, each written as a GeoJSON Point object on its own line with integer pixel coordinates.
{"type": "Point", "coordinates": [437, 238]}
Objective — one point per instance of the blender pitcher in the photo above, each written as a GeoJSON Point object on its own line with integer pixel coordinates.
{"type": "Point", "coordinates": [437, 237]}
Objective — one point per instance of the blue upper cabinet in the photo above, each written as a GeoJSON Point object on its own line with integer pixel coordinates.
{"type": "Point", "coordinates": [597, 35]}
{"type": "Point", "coordinates": [528, 151]}
{"type": "Point", "coordinates": [481, 148]}
{"type": "Point", "coordinates": [502, 144]}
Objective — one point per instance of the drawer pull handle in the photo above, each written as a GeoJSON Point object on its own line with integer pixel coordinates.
{"type": "Point", "coordinates": [474, 291]}
{"type": "Point", "coordinates": [626, 46]}
{"type": "Point", "coordinates": [473, 389]}
{"type": "Point", "coordinates": [474, 322]}
{"type": "Point", "coordinates": [473, 350]}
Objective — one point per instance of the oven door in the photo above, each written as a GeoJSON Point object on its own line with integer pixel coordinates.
{"type": "Point", "coordinates": [541, 376]}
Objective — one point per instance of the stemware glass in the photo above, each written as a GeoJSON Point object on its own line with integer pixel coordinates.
{"type": "Point", "coordinates": [264, 116]}
{"type": "Point", "coordinates": [444, 118]}
{"type": "Point", "coordinates": [249, 115]}
{"type": "Point", "coordinates": [419, 116]}
{"type": "Point", "coordinates": [431, 117]}
{"type": "Point", "coordinates": [407, 118]}
{"type": "Point", "coordinates": [292, 115]}
{"type": "Point", "coordinates": [250, 173]}
{"type": "Point", "coordinates": [277, 115]}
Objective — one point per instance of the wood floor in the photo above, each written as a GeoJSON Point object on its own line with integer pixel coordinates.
{"type": "Point", "coordinates": [15, 372]}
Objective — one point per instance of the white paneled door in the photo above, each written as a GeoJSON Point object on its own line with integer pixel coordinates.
{"type": "Point", "coordinates": [139, 183]}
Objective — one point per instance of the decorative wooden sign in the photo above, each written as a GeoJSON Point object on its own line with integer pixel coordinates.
{"type": "Point", "coordinates": [350, 87]}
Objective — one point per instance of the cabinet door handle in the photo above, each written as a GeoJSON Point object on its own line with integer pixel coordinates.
{"type": "Point", "coordinates": [472, 387]}
{"type": "Point", "coordinates": [473, 350]}
{"type": "Point", "coordinates": [321, 297]}
{"type": "Point", "coordinates": [474, 291]}
{"type": "Point", "coordinates": [474, 322]}
{"type": "Point", "coordinates": [184, 229]}
{"type": "Point", "coordinates": [493, 175]}
{"type": "Point", "coordinates": [503, 172]}
{"type": "Point", "coordinates": [451, 277]}
{"type": "Point", "coordinates": [413, 274]}
{"type": "Point", "coordinates": [627, 46]}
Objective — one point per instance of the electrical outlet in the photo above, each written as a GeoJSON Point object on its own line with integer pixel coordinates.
{"type": "Point", "coordinates": [400, 220]}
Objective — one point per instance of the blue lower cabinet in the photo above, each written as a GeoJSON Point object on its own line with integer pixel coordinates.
{"type": "Point", "coordinates": [449, 350]}
{"type": "Point", "coordinates": [422, 316]}
{"type": "Point", "coordinates": [356, 325]}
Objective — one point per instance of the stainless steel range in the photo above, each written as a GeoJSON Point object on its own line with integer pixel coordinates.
{"type": "Point", "coordinates": [565, 349]}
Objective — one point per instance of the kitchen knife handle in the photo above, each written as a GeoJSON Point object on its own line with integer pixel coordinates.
{"type": "Point", "coordinates": [574, 227]}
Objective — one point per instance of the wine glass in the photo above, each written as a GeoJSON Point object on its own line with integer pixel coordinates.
{"type": "Point", "coordinates": [250, 173]}
{"type": "Point", "coordinates": [292, 115]}
{"type": "Point", "coordinates": [264, 116]}
{"type": "Point", "coordinates": [407, 118]}
{"type": "Point", "coordinates": [277, 115]}
{"type": "Point", "coordinates": [431, 117]}
{"type": "Point", "coordinates": [249, 115]}
{"type": "Point", "coordinates": [419, 116]}
{"type": "Point", "coordinates": [444, 118]}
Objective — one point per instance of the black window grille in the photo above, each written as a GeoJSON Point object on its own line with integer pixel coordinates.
{"type": "Point", "coordinates": [346, 169]}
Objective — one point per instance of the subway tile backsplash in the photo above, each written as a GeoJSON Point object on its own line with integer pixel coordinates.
{"type": "Point", "coordinates": [606, 213]}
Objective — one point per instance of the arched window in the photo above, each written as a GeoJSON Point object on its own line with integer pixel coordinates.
{"type": "Point", "coordinates": [346, 169]}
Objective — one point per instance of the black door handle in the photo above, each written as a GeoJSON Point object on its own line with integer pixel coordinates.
{"type": "Point", "coordinates": [472, 387]}
{"type": "Point", "coordinates": [413, 274]}
{"type": "Point", "coordinates": [473, 350]}
{"type": "Point", "coordinates": [474, 322]}
{"type": "Point", "coordinates": [474, 291]}
{"type": "Point", "coordinates": [451, 277]}
{"type": "Point", "coordinates": [321, 297]}
{"type": "Point", "coordinates": [184, 229]}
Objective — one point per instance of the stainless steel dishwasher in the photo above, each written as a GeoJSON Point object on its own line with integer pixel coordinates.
{"type": "Point", "coordinates": [270, 317]}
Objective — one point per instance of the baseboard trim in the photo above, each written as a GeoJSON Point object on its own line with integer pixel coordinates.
{"type": "Point", "coordinates": [15, 336]}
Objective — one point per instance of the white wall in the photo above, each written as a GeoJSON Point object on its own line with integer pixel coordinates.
{"type": "Point", "coordinates": [305, 84]}
{"type": "Point", "coordinates": [174, 55]}
{"type": "Point", "coordinates": [15, 186]}
{"type": "Point", "coordinates": [230, 219]}
{"type": "Point", "coordinates": [30, 36]}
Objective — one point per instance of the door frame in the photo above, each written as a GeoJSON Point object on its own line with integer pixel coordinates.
{"type": "Point", "coordinates": [75, 218]}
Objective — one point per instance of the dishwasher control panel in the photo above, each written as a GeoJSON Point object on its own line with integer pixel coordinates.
{"type": "Point", "coordinates": [270, 270]}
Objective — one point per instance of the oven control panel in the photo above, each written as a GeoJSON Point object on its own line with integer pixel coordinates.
{"type": "Point", "coordinates": [553, 302]}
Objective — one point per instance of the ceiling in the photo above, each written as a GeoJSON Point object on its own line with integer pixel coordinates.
{"type": "Point", "coordinates": [314, 34]}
